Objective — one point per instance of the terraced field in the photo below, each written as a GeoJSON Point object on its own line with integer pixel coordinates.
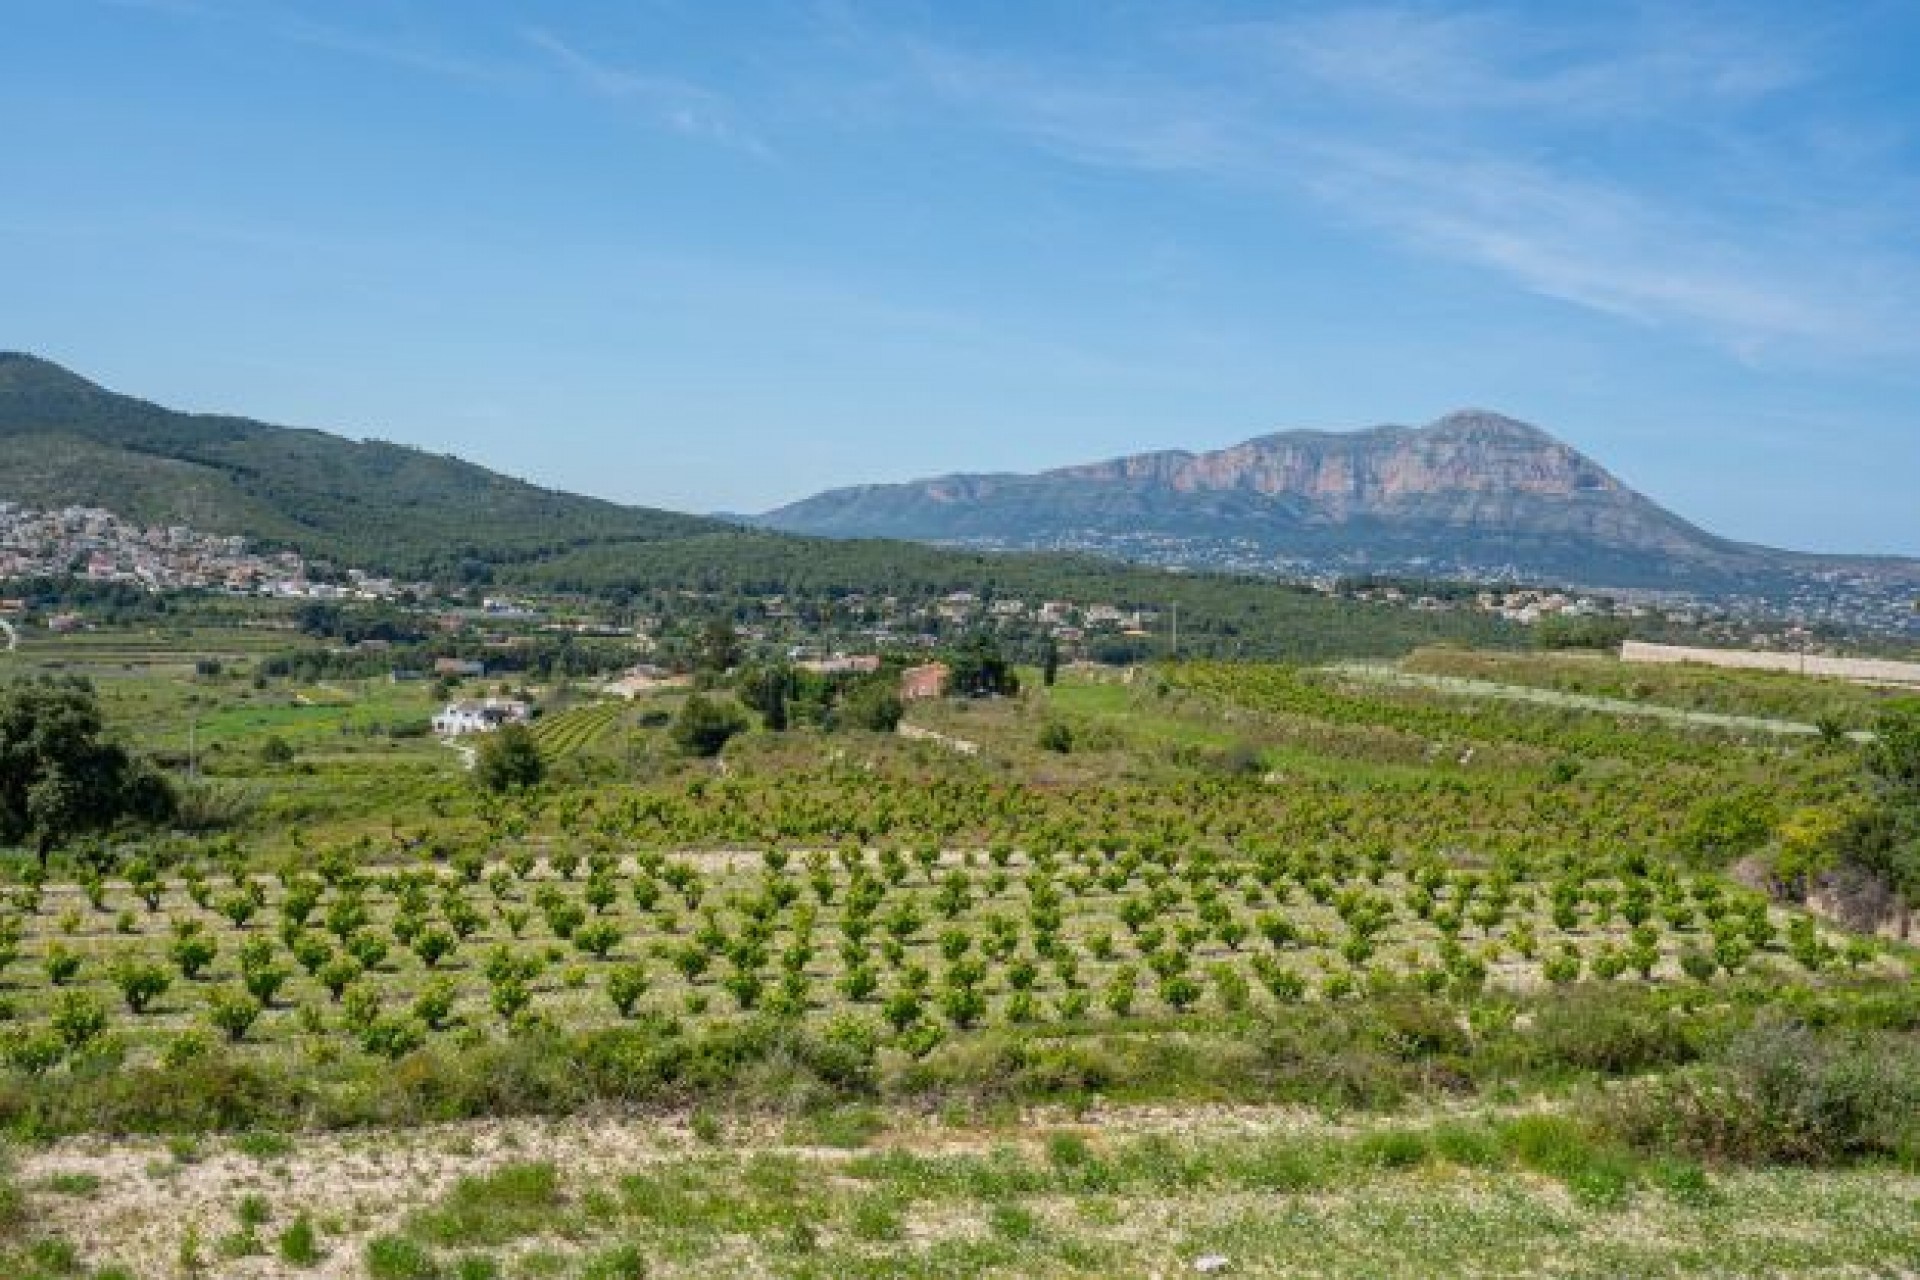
{"type": "Point", "coordinates": [578, 728]}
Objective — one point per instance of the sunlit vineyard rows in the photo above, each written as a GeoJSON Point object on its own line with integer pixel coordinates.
{"type": "Point", "coordinates": [923, 940]}
{"type": "Point", "coordinates": [577, 729]}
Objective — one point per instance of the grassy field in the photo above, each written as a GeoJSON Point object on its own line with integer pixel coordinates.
{"type": "Point", "coordinates": [1775, 695]}
{"type": "Point", "coordinates": [1310, 972]}
{"type": "Point", "coordinates": [1106, 1192]}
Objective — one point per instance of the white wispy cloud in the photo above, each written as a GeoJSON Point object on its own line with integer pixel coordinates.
{"type": "Point", "coordinates": [1598, 246]}
{"type": "Point", "coordinates": [407, 52]}
{"type": "Point", "coordinates": [1592, 65]}
{"type": "Point", "coordinates": [670, 102]}
{"type": "Point", "coordinates": [673, 103]}
{"type": "Point", "coordinates": [1482, 138]}
{"type": "Point", "coordinates": [417, 49]}
{"type": "Point", "coordinates": [1113, 118]}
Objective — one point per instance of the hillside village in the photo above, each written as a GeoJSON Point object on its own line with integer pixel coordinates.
{"type": "Point", "coordinates": [97, 545]}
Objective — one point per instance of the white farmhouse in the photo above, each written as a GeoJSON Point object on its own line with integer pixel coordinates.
{"type": "Point", "coordinates": [458, 718]}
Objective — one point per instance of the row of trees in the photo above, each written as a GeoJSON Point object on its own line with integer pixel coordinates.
{"type": "Point", "coordinates": [907, 932]}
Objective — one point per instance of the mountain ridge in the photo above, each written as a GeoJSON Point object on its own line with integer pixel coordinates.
{"type": "Point", "coordinates": [1287, 504]}
{"type": "Point", "coordinates": [1474, 491]}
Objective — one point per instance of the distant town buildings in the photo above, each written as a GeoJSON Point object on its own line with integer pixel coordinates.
{"type": "Point", "coordinates": [95, 544]}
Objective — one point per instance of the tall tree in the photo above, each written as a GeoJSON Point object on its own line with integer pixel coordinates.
{"type": "Point", "coordinates": [1895, 755]}
{"type": "Point", "coordinates": [60, 777]}
{"type": "Point", "coordinates": [767, 690]}
{"type": "Point", "coordinates": [980, 669]}
{"type": "Point", "coordinates": [703, 726]}
{"type": "Point", "coordinates": [871, 705]}
{"type": "Point", "coordinates": [509, 759]}
{"type": "Point", "coordinates": [719, 649]}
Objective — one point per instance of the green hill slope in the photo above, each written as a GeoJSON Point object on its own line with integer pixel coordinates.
{"type": "Point", "coordinates": [365, 503]}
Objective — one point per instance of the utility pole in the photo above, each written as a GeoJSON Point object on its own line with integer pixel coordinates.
{"type": "Point", "coordinates": [1176, 628]}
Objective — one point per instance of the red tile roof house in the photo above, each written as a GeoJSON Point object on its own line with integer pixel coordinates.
{"type": "Point", "coordinates": [929, 681]}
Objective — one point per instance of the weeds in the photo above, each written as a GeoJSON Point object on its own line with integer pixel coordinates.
{"type": "Point", "coordinates": [299, 1244]}
{"type": "Point", "coordinates": [395, 1257]}
{"type": "Point", "coordinates": [511, 1202]}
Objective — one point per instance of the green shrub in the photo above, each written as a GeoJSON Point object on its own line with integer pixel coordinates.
{"type": "Point", "coordinates": [1699, 964]}
{"type": "Point", "coordinates": [1615, 1032]}
{"type": "Point", "coordinates": [513, 1201]}
{"type": "Point", "coordinates": [232, 1011]}
{"type": "Point", "coordinates": [1470, 1146]}
{"type": "Point", "coordinates": [434, 1005]}
{"type": "Point", "coordinates": [1394, 1149]}
{"type": "Point", "coordinates": [704, 726]}
{"type": "Point", "coordinates": [299, 1244]}
{"type": "Point", "coordinates": [13, 1201]}
{"type": "Point", "coordinates": [391, 1036]}
{"type": "Point", "coordinates": [1684, 1181]}
{"type": "Point", "coordinates": [193, 951]}
{"type": "Point", "coordinates": [78, 1019]}
{"type": "Point", "coordinates": [1413, 1027]}
{"type": "Point", "coordinates": [398, 1258]}
{"type": "Point", "coordinates": [140, 983]}
{"type": "Point", "coordinates": [1780, 1093]}
{"type": "Point", "coordinates": [1595, 1170]}
{"type": "Point", "coordinates": [62, 963]}
{"type": "Point", "coordinates": [618, 1262]}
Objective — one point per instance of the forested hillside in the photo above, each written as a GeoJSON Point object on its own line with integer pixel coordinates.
{"type": "Point", "coordinates": [365, 503]}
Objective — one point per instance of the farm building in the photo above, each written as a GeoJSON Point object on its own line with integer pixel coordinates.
{"type": "Point", "coordinates": [929, 681]}
{"type": "Point", "coordinates": [458, 718]}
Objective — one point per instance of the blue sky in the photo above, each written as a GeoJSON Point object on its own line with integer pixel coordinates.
{"type": "Point", "coordinates": [718, 255]}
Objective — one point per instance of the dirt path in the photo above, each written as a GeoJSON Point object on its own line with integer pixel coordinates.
{"type": "Point", "coordinates": [919, 733]}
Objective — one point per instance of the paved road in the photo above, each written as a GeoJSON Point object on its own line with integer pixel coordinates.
{"type": "Point", "coordinates": [1578, 701]}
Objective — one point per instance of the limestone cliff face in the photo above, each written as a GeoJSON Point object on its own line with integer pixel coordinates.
{"type": "Point", "coordinates": [1463, 453]}
{"type": "Point", "coordinates": [1471, 489]}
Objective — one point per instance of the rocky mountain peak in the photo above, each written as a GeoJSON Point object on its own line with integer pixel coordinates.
{"type": "Point", "coordinates": [1474, 488]}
